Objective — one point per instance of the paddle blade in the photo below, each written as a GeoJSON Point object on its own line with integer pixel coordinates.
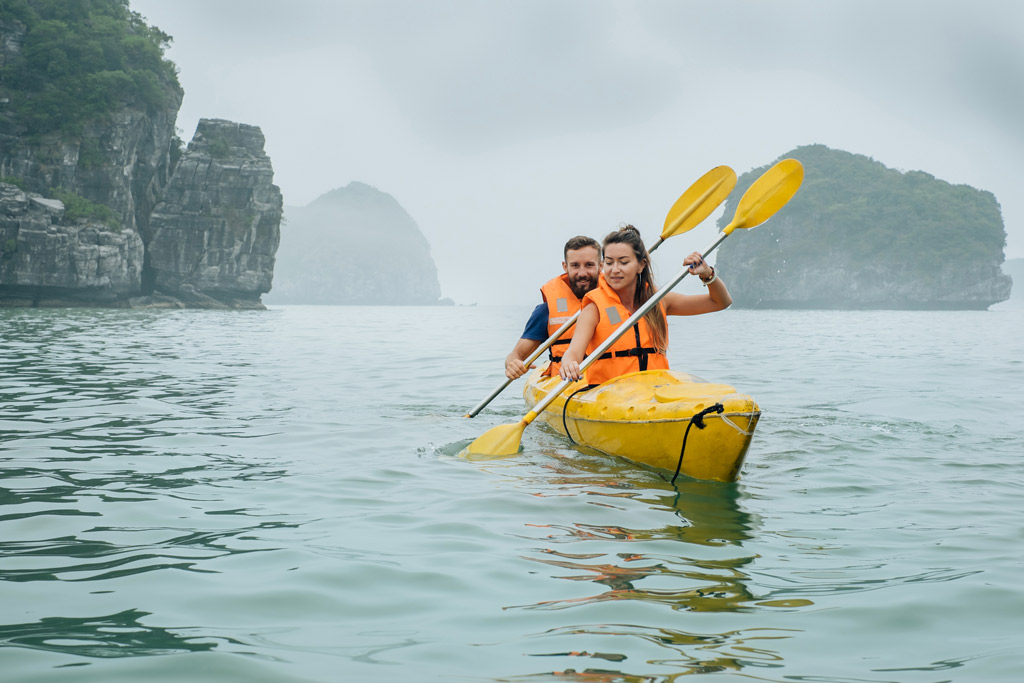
{"type": "Point", "coordinates": [697, 203]}
{"type": "Point", "coordinates": [502, 440]}
{"type": "Point", "coordinates": [768, 194]}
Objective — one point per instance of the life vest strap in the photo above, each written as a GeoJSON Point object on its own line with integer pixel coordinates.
{"type": "Point", "coordinates": [551, 354]}
{"type": "Point", "coordinates": [643, 351]}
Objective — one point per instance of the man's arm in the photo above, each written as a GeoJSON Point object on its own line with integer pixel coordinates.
{"type": "Point", "coordinates": [536, 332]}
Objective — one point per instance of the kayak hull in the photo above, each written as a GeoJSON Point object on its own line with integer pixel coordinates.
{"type": "Point", "coordinates": [643, 417]}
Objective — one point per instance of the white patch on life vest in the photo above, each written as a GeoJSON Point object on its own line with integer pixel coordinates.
{"type": "Point", "coordinates": [561, 304]}
{"type": "Point", "coordinates": [613, 315]}
{"type": "Point", "coordinates": [559, 321]}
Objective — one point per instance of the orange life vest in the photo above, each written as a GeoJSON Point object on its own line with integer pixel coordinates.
{"type": "Point", "coordinates": [562, 305]}
{"type": "Point", "coordinates": [630, 352]}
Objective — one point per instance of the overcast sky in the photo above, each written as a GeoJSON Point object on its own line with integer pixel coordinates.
{"type": "Point", "coordinates": [506, 126]}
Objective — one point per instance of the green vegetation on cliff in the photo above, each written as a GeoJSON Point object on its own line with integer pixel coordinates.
{"type": "Point", "coordinates": [80, 60]}
{"type": "Point", "coordinates": [859, 234]}
{"type": "Point", "coordinates": [77, 207]}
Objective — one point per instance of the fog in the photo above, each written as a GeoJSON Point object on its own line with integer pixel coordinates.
{"type": "Point", "coordinates": [505, 127]}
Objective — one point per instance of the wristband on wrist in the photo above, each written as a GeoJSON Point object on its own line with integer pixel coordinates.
{"type": "Point", "coordinates": [714, 276]}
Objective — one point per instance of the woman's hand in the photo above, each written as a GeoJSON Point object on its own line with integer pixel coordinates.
{"type": "Point", "coordinates": [574, 355]}
{"type": "Point", "coordinates": [698, 266]}
{"type": "Point", "coordinates": [570, 369]}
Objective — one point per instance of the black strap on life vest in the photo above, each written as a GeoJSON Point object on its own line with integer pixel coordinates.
{"type": "Point", "coordinates": [642, 352]}
{"type": "Point", "coordinates": [551, 353]}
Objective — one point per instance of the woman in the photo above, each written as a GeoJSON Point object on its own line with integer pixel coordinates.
{"type": "Point", "coordinates": [626, 284]}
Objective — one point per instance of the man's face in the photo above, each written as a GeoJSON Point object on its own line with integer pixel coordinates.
{"type": "Point", "coordinates": [582, 266]}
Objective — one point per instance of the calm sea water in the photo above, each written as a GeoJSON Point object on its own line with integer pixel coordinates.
{"type": "Point", "coordinates": [276, 496]}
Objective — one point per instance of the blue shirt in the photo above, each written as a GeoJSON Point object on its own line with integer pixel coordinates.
{"type": "Point", "coordinates": [537, 325]}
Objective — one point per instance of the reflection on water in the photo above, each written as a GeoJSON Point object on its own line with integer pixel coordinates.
{"type": "Point", "coordinates": [73, 501]}
{"type": "Point", "coordinates": [114, 635]}
{"type": "Point", "coordinates": [695, 563]}
{"type": "Point", "coordinates": [114, 471]}
{"type": "Point", "coordinates": [92, 559]}
{"type": "Point", "coordinates": [686, 653]}
{"type": "Point", "coordinates": [707, 514]}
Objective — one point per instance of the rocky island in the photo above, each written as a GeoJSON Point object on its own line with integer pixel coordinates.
{"type": "Point", "coordinates": [859, 235]}
{"type": "Point", "coordinates": [99, 202]}
{"type": "Point", "coordinates": [354, 245]}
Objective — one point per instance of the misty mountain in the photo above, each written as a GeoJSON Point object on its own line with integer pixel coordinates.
{"type": "Point", "coordinates": [354, 245]}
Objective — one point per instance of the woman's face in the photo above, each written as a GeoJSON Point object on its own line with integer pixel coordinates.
{"type": "Point", "coordinates": [621, 267]}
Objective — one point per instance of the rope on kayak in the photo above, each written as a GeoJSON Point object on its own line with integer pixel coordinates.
{"type": "Point", "coordinates": [735, 426]}
{"type": "Point", "coordinates": [566, 407]}
{"type": "Point", "coordinates": [698, 420]}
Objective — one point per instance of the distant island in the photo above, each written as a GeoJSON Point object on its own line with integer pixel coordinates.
{"type": "Point", "coordinates": [859, 235]}
{"type": "Point", "coordinates": [354, 245]}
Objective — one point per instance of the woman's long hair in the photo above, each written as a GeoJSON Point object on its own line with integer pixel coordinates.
{"type": "Point", "coordinates": [645, 287]}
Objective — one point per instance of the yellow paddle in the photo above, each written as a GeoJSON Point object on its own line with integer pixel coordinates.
{"type": "Point", "coordinates": [692, 207]}
{"type": "Point", "coordinates": [761, 201]}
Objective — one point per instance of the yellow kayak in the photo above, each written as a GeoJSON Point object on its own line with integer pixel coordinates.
{"type": "Point", "coordinates": [645, 416]}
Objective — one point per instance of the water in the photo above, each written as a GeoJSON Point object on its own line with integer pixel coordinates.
{"type": "Point", "coordinates": [275, 496]}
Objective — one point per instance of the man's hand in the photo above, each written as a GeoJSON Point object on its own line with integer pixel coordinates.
{"type": "Point", "coordinates": [514, 368]}
{"type": "Point", "coordinates": [514, 365]}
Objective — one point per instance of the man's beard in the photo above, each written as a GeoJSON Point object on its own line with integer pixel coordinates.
{"type": "Point", "coordinates": [579, 289]}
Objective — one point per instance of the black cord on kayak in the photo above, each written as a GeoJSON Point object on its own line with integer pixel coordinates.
{"type": "Point", "coordinates": [698, 420]}
{"type": "Point", "coordinates": [566, 407]}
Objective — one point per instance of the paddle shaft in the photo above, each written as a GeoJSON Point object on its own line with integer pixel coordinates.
{"type": "Point", "coordinates": [533, 356]}
{"type": "Point", "coordinates": [540, 349]}
{"type": "Point", "coordinates": [630, 321]}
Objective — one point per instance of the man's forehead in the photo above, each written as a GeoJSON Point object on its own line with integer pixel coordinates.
{"type": "Point", "coordinates": [582, 254]}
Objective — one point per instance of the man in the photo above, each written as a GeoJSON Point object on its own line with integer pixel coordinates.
{"type": "Point", "coordinates": [562, 299]}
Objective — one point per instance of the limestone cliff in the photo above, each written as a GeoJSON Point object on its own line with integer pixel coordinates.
{"type": "Point", "coordinates": [96, 208]}
{"type": "Point", "coordinates": [119, 160]}
{"type": "Point", "coordinates": [354, 245]}
{"type": "Point", "coordinates": [45, 262]}
{"type": "Point", "coordinates": [53, 255]}
{"type": "Point", "coordinates": [859, 235]}
{"type": "Point", "coordinates": [216, 229]}
{"type": "Point", "coordinates": [210, 242]}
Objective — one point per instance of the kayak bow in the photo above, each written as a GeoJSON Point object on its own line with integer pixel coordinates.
{"type": "Point", "coordinates": [645, 417]}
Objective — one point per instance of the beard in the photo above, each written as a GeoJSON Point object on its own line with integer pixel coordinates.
{"type": "Point", "coordinates": [581, 285]}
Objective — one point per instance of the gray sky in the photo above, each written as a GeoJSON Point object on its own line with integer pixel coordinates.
{"type": "Point", "coordinates": [506, 126]}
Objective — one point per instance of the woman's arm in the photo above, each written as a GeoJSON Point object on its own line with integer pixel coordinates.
{"type": "Point", "coordinates": [717, 296]}
{"type": "Point", "coordinates": [581, 336]}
